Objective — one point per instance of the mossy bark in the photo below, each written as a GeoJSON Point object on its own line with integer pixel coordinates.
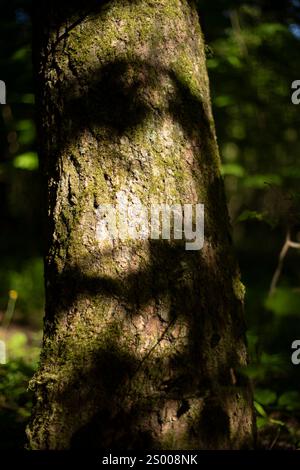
{"type": "Point", "coordinates": [144, 341]}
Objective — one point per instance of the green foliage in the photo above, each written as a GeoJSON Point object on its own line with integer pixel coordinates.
{"type": "Point", "coordinates": [260, 409]}
{"type": "Point", "coordinates": [290, 400]}
{"type": "Point", "coordinates": [259, 181]}
{"type": "Point", "coordinates": [26, 131]}
{"type": "Point", "coordinates": [261, 422]}
{"type": "Point", "coordinates": [20, 201]}
{"type": "Point", "coordinates": [26, 161]}
{"type": "Point", "coordinates": [28, 282]}
{"type": "Point", "coordinates": [265, 396]}
{"type": "Point", "coordinates": [253, 61]}
{"type": "Point", "coordinates": [266, 366]}
{"type": "Point", "coordinates": [284, 302]}
{"type": "Point", "coordinates": [249, 215]}
{"type": "Point", "coordinates": [15, 398]}
{"type": "Point", "coordinates": [233, 169]}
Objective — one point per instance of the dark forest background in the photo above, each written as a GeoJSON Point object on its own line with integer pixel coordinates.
{"type": "Point", "coordinates": [253, 50]}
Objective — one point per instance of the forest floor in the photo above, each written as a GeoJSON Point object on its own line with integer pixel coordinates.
{"type": "Point", "coordinates": [284, 436]}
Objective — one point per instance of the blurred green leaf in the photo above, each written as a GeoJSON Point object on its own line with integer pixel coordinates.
{"type": "Point", "coordinates": [16, 344]}
{"type": "Point", "coordinates": [270, 29]}
{"type": "Point", "coordinates": [268, 366]}
{"type": "Point", "coordinates": [233, 169]}
{"type": "Point", "coordinates": [223, 100]}
{"type": "Point", "coordinates": [290, 400]}
{"type": "Point", "coordinates": [234, 61]}
{"type": "Point", "coordinates": [27, 98]}
{"type": "Point", "coordinates": [249, 215]}
{"type": "Point", "coordinates": [21, 54]}
{"type": "Point", "coordinates": [260, 409]}
{"type": "Point", "coordinates": [26, 131]}
{"type": "Point", "coordinates": [261, 422]}
{"type": "Point", "coordinates": [260, 181]}
{"type": "Point", "coordinates": [277, 421]}
{"type": "Point", "coordinates": [265, 396]}
{"type": "Point", "coordinates": [284, 302]}
{"type": "Point", "coordinates": [26, 161]}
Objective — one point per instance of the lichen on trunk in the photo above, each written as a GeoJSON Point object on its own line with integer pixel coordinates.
{"type": "Point", "coordinates": [144, 341]}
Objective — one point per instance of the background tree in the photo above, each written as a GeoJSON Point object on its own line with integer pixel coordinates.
{"type": "Point", "coordinates": [253, 59]}
{"type": "Point", "coordinates": [144, 341]}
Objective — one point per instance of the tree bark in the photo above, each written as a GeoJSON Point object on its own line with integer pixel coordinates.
{"type": "Point", "coordinates": [144, 341]}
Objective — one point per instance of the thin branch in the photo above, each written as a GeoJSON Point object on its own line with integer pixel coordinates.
{"type": "Point", "coordinates": [236, 26]}
{"type": "Point", "coordinates": [275, 439]}
{"type": "Point", "coordinates": [294, 245]}
{"type": "Point", "coordinates": [286, 246]}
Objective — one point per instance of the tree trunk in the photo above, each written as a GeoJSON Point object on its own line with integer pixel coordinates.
{"type": "Point", "coordinates": [144, 340]}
